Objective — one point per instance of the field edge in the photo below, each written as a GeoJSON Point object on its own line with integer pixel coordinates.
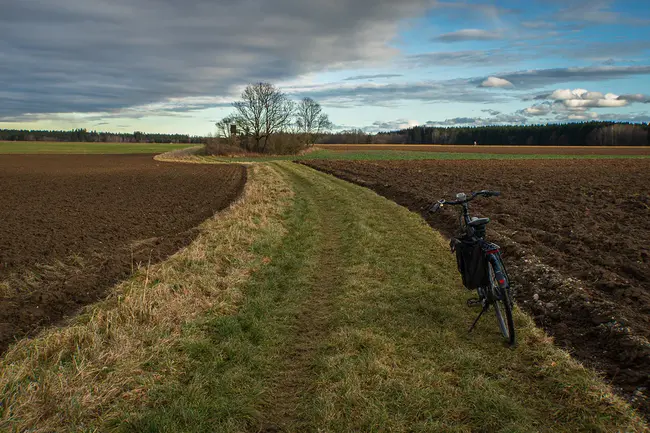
{"type": "Point", "coordinates": [77, 375]}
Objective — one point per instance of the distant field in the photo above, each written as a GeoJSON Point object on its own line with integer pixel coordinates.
{"type": "Point", "coordinates": [363, 154]}
{"type": "Point", "coordinates": [541, 150]}
{"type": "Point", "coordinates": [84, 148]}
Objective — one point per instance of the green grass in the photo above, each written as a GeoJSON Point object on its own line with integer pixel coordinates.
{"type": "Point", "coordinates": [357, 322]}
{"type": "Point", "coordinates": [390, 155]}
{"type": "Point", "coordinates": [31, 147]}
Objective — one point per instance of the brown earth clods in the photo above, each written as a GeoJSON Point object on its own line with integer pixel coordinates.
{"type": "Point", "coordinates": [574, 232]}
{"type": "Point", "coordinates": [71, 226]}
{"type": "Point", "coordinates": [527, 150]}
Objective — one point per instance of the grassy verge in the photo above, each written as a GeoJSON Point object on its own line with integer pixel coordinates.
{"type": "Point", "coordinates": [337, 311]}
{"type": "Point", "coordinates": [29, 147]}
{"type": "Point", "coordinates": [390, 155]}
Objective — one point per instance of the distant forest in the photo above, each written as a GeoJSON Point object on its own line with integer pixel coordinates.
{"type": "Point", "coordinates": [93, 136]}
{"type": "Point", "coordinates": [568, 134]}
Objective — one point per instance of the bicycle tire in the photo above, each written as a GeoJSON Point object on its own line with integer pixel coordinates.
{"type": "Point", "coordinates": [502, 307]}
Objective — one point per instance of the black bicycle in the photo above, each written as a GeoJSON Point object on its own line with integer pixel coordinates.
{"type": "Point", "coordinates": [480, 264]}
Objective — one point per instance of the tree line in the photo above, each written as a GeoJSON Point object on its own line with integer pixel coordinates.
{"type": "Point", "coordinates": [262, 127]}
{"type": "Point", "coordinates": [82, 135]}
{"type": "Point", "coordinates": [566, 134]}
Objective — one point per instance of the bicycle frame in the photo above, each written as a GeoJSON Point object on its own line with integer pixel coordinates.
{"type": "Point", "coordinates": [491, 250]}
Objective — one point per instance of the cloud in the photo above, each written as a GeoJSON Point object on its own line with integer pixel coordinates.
{"type": "Point", "coordinates": [587, 115]}
{"type": "Point", "coordinates": [638, 97]}
{"type": "Point", "coordinates": [596, 12]}
{"type": "Point", "coordinates": [579, 99]}
{"type": "Point", "coordinates": [542, 109]}
{"type": "Point", "coordinates": [462, 58]}
{"type": "Point", "coordinates": [521, 118]}
{"type": "Point", "coordinates": [500, 119]}
{"type": "Point", "coordinates": [359, 95]}
{"type": "Point", "coordinates": [371, 77]}
{"type": "Point", "coordinates": [97, 56]}
{"type": "Point", "coordinates": [469, 35]}
{"type": "Point", "coordinates": [575, 104]}
{"type": "Point", "coordinates": [538, 24]}
{"type": "Point", "coordinates": [392, 125]}
{"type": "Point", "coordinates": [496, 82]}
{"type": "Point", "coordinates": [544, 77]}
{"type": "Point", "coordinates": [491, 112]}
{"type": "Point", "coordinates": [627, 117]}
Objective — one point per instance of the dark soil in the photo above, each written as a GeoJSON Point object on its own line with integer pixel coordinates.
{"type": "Point", "coordinates": [574, 232]}
{"type": "Point", "coordinates": [74, 225]}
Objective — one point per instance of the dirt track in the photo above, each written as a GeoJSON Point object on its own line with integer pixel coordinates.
{"type": "Point", "coordinates": [73, 225]}
{"type": "Point", "coordinates": [529, 150]}
{"type": "Point", "coordinates": [573, 231]}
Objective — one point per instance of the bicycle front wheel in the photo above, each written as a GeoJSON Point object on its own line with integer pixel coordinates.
{"type": "Point", "coordinates": [502, 307]}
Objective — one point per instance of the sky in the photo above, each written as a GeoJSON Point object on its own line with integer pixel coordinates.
{"type": "Point", "coordinates": [176, 66]}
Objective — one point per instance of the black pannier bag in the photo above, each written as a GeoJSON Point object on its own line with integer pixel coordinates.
{"type": "Point", "coordinates": [472, 263]}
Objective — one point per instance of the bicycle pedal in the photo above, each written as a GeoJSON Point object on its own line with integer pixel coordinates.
{"type": "Point", "coordinates": [473, 302]}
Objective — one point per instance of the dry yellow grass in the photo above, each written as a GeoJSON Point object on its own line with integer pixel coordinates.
{"type": "Point", "coordinates": [72, 378]}
{"type": "Point", "coordinates": [189, 154]}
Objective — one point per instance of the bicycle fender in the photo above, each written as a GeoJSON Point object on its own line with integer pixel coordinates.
{"type": "Point", "coordinates": [500, 276]}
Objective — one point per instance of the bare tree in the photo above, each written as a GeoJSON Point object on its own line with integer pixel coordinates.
{"type": "Point", "coordinates": [263, 111]}
{"type": "Point", "coordinates": [310, 120]}
{"type": "Point", "coordinates": [223, 126]}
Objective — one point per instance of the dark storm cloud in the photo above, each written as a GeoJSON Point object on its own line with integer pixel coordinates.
{"type": "Point", "coordinates": [91, 55]}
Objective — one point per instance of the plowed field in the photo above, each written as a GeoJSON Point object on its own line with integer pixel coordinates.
{"type": "Point", "coordinates": [574, 233]}
{"type": "Point", "coordinates": [73, 225]}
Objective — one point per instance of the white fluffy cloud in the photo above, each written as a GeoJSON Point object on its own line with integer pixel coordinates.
{"type": "Point", "coordinates": [538, 110]}
{"type": "Point", "coordinates": [581, 98]}
{"type": "Point", "coordinates": [496, 82]}
{"type": "Point", "coordinates": [575, 104]}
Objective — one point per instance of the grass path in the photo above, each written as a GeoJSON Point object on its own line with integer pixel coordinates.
{"type": "Point", "coordinates": [312, 323]}
{"type": "Point", "coordinates": [358, 323]}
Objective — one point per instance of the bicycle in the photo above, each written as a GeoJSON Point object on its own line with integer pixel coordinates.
{"type": "Point", "coordinates": [480, 264]}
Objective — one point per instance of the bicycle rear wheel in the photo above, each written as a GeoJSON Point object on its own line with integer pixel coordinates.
{"type": "Point", "coordinates": [502, 307]}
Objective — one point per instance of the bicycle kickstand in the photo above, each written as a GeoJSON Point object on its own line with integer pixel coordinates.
{"type": "Point", "coordinates": [483, 310]}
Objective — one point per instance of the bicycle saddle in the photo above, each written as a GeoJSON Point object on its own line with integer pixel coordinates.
{"type": "Point", "coordinates": [479, 221]}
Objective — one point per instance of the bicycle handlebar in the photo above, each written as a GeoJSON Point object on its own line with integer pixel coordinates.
{"type": "Point", "coordinates": [484, 193]}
